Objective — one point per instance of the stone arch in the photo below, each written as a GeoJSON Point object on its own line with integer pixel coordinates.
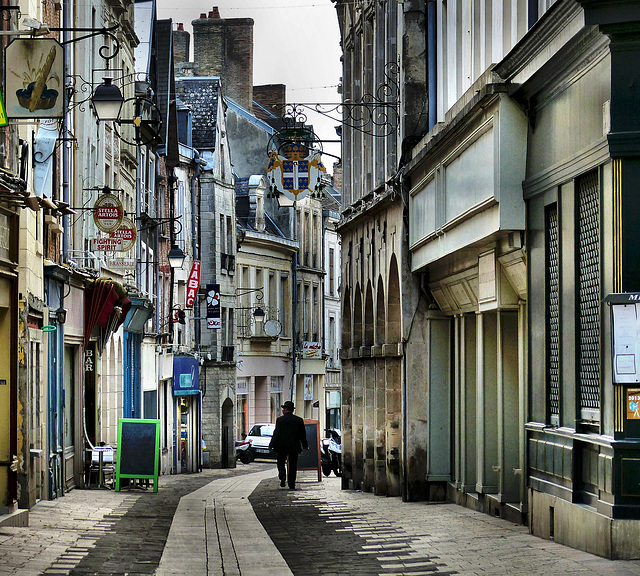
{"type": "Point", "coordinates": [347, 341]}
{"type": "Point", "coordinates": [357, 317]}
{"type": "Point", "coordinates": [381, 324]}
{"type": "Point", "coordinates": [369, 326]}
{"type": "Point", "coordinates": [394, 310]}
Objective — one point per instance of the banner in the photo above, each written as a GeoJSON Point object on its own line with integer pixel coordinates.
{"type": "Point", "coordinates": [213, 307]}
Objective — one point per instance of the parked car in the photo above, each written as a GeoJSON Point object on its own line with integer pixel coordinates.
{"type": "Point", "coordinates": [260, 436]}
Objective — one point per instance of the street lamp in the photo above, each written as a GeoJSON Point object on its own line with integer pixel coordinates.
{"type": "Point", "coordinates": [175, 256]}
{"type": "Point", "coordinates": [107, 101]}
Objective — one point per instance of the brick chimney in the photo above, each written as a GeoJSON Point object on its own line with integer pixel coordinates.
{"type": "Point", "coordinates": [224, 47]}
{"type": "Point", "coordinates": [181, 44]}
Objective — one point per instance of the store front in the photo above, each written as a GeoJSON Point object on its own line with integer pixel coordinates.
{"type": "Point", "coordinates": [187, 413]}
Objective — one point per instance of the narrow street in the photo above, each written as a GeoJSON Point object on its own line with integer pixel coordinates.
{"type": "Point", "coordinates": [240, 521]}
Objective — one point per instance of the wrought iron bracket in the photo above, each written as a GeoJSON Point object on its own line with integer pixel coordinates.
{"type": "Point", "coordinates": [376, 114]}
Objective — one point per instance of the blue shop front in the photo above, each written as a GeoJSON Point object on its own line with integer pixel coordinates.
{"type": "Point", "coordinates": [187, 401]}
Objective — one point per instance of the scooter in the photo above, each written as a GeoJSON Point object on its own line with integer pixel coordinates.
{"type": "Point", "coordinates": [244, 452]}
{"type": "Point", "coordinates": [331, 453]}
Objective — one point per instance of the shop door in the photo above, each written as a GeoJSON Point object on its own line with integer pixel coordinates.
{"type": "Point", "coordinates": [68, 401]}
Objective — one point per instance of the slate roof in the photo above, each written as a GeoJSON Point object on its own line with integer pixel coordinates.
{"type": "Point", "coordinates": [201, 94]}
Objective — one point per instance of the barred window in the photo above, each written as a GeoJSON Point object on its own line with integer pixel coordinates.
{"type": "Point", "coordinates": [588, 294]}
{"type": "Point", "coordinates": [553, 313]}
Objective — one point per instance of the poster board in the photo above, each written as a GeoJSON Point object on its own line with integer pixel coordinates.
{"type": "Point", "coordinates": [138, 450]}
{"type": "Point", "coordinates": [625, 337]}
{"type": "Point", "coordinates": [310, 459]}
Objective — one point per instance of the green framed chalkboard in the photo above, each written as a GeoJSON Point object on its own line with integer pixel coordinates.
{"type": "Point", "coordinates": [138, 450]}
{"type": "Point", "coordinates": [310, 459]}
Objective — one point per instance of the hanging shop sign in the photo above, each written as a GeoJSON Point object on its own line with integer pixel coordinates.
{"type": "Point", "coordinates": [312, 349]}
{"type": "Point", "coordinates": [34, 78]}
{"type": "Point", "coordinates": [213, 307]}
{"type": "Point", "coordinates": [186, 373]}
{"type": "Point", "coordinates": [121, 263]}
{"type": "Point", "coordinates": [127, 233]}
{"type": "Point", "coordinates": [193, 283]}
{"type": "Point", "coordinates": [106, 244]}
{"type": "Point", "coordinates": [107, 212]}
{"type": "Point", "coordinates": [294, 168]}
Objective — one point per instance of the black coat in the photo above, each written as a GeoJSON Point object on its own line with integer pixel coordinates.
{"type": "Point", "coordinates": [289, 435]}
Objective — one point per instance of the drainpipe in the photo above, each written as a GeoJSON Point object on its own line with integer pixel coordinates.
{"type": "Point", "coordinates": [294, 299]}
{"type": "Point", "coordinates": [431, 59]}
{"type": "Point", "coordinates": [65, 128]}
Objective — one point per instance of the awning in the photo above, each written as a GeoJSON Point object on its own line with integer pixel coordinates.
{"type": "Point", "coordinates": [106, 306]}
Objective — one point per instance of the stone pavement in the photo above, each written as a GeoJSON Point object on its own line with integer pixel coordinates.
{"type": "Point", "coordinates": [240, 522]}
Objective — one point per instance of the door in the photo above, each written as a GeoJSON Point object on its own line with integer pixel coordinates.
{"type": "Point", "coordinates": [68, 426]}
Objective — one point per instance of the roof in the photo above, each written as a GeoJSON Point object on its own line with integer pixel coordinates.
{"type": "Point", "coordinates": [201, 94]}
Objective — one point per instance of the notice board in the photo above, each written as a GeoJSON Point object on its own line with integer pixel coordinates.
{"type": "Point", "coordinates": [310, 459]}
{"type": "Point", "coordinates": [625, 336]}
{"type": "Point", "coordinates": [138, 450]}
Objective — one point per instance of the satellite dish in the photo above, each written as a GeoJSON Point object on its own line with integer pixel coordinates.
{"type": "Point", "coordinates": [272, 328]}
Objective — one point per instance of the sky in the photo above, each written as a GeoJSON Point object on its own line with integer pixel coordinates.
{"type": "Point", "coordinates": [296, 43]}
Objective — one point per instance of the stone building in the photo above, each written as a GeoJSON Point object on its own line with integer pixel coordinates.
{"type": "Point", "coordinates": [517, 236]}
{"type": "Point", "coordinates": [379, 295]}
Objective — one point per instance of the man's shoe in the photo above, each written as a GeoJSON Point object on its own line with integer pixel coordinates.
{"type": "Point", "coordinates": [291, 487]}
{"type": "Point", "coordinates": [282, 482]}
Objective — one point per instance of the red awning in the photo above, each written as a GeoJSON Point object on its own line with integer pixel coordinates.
{"type": "Point", "coordinates": [105, 303]}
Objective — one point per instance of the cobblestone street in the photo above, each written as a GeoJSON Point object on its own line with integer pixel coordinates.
{"type": "Point", "coordinates": [241, 522]}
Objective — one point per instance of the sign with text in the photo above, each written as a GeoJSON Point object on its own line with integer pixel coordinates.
{"type": "Point", "coordinates": [213, 307]}
{"type": "Point", "coordinates": [127, 233]}
{"type": "Point", "coordinates": [106, 244]}
{"type": "Point", "coordinates": [625, 326]}
{"type": "Point", "coordinates": [107, 212]}
{"type": "Point", "coordinates": [312, 349]}
{"type": "Point", "coordinates": [193, 283]}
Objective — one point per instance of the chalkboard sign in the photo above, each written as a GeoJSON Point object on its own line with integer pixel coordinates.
{"type": "Point", "coordinates": [310, 459]}
{"type": "Point", "coordinates": [138, 450]}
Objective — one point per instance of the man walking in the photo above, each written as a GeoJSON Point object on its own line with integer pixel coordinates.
{"type": "Point", "coordinates": [288, 440]}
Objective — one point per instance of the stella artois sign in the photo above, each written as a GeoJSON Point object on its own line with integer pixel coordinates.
{"type": "Point", "coordinates": [107, 212]}
{"type": "Point", "coordinates": [127, 233]}
{"type": "Point", "coordinates": [294, 167]}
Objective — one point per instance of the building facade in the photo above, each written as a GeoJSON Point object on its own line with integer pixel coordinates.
{"type": "Point", "coordinates": [516, 216]}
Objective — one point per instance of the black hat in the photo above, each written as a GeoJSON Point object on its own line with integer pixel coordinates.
{"type": "Point", "coordinates": [289, 405]}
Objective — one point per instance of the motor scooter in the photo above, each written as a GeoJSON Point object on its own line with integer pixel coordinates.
{"type": "Point", "coordinates": [331, 453]}
{"type": "Point", "coordinates": [244, 452]}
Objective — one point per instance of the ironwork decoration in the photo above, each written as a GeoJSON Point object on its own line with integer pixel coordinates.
{"type": "Point", "coordinates": [376, 114]}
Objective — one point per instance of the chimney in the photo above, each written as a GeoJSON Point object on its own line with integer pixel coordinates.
{"type": "Point", "coordinates": [224, 47]}
{"type": "Point", "coordinates": [181, 44]}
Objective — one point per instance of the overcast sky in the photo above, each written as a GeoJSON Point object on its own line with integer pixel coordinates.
{"type": "Point", "coordinates": [296, 42]}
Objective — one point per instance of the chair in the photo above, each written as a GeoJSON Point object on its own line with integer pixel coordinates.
{"type": "Point", "coordinates": [102, 464]}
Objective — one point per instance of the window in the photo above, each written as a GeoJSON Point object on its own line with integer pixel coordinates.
{"type": "Point", "coordinates": [229, 236]}
{"type": "Point", "coordinates": [588, 294]}
{"type": "Point", "coordinates": [223, 246]}
{"type": "Point", "coordinates": [553, 313]}
{"type": "Point", "coordinates": [283, 299]}
{"type": "Point", "coordinates": [332, 260]}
